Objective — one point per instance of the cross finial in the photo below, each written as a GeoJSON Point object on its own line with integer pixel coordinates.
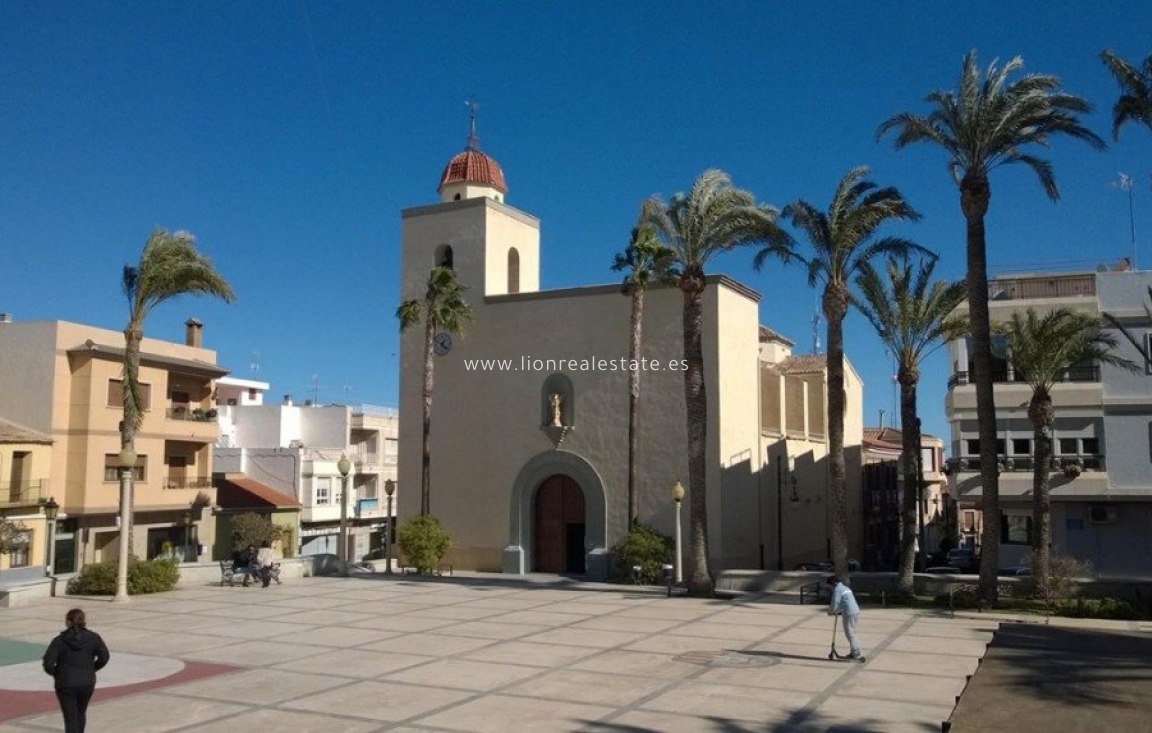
{"type": "Point", "coordinates": [473, 140]}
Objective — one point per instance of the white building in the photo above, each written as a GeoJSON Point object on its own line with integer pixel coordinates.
{"type": "Point", "coordinates": [296, 449]}
{"type": "Point", "coordinates": [1101, 485]}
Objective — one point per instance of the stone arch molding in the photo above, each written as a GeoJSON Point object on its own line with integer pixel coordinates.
{"type": "Point", "coordinates": [517, 554]}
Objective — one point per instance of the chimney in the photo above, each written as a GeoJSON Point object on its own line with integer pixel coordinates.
{"type": "Point", "coordinates": [287, 400]}
{"type": "Point", "coordinates": [193, 333]}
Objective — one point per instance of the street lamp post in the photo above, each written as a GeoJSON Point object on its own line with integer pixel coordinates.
{"type": "Point", "coordinates": [678, 497]}
{"type": "Point", "coordinates": [344, 466]}
{"type": "Point", "coordinates": [389, 490]}
{"type": "Point", "coordinates": [127, 467]}
{"type": "Point", "coordinates": [51, 511]}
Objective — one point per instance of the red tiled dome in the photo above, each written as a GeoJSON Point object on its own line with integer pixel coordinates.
{"type": "Point", "coordinates": [472, 166]}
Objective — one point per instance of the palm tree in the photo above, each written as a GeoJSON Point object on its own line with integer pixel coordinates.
{"type": "Point", "coordinates": [443, 310]}
{"type": "Point", "coordinates": [1041, 350]}
{"type": "Point", "coordinates": [169, 266]}
{"type": "Point", "coordinates": [712, 218]}
{"type": "Point", "coordinates": [644, 261]}
{"type": "Point", "coordinates": [982, 126]}
{"type": "Point", "coordinates": [841, 246]}
{"type": "Point", "coordinates": [913, 318]}
{"type": "Point", "coordinates": [1135, 102]}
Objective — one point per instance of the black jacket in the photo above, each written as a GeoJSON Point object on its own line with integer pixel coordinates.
{"type": "Point", "coordinates": [74, 656]}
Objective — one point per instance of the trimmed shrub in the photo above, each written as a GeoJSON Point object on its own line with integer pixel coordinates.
{"type": "Point", "coordinates": [1062, 574]}
{"type": "Point", "coordinates": [144, 576]}
{"type": "Point", "coordinates": [645, 547]}
{"type": "Point", "coordinates": [423, 540]}
{"type": "Point", "coordinates": [253, 529]}
{"type": "Point", "coordinates": [1112, 608]}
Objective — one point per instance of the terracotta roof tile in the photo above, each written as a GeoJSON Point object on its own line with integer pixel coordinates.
{"type": "Point", "coordinates": [472, 166]}
{"type": "Point", "coordinates": [10, 432]}
{"type": "Point", "coordinates": [237, 491]}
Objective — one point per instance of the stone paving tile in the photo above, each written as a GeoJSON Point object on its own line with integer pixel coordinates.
{"type": "Point", "coordinates": [668, 643]}
{"type": "Point", "coordinates": [913, 688]}
{"type": "Point", "coordinates": [885, 711]}
{"type": "Point", "coordinates": [595, 688]}
{"type": "Point", "coordinates": [356, 663]}
{"type": "Point", "coordinates": [462, 674]}
{"type": "Point", "coordinates": [460, 613]}
{"type": "Point", "coordinates": [726, 701]}
{"type": "Point", "coordinates": [782, 676]}
{"type": "Point", "coordinates": [939, 645]}
{"type": "Point", "coordinates": [258, 686]}
{"type": "Point", "coordinates": [324, 617]}
{"type": "Point", "coordinates": [428, 644]}
{"type": "Point", "coordinates": [490, 630]}
{"type": "Point", "coordinates": [916, 663]}
{"type": "Point", "coordinates": [646, 721]}
{"type": "Point", "coordinates": [504, 713]}
{"type": "Point", "coordinates": [379, 700]}
{"type": "Point", "coordinates": [537, 655]}
{"type": "Point", "coordinates": [584, 637]}
{"type": "Point", "coordinates": [618, 623]}
{"type": "Point", "coordinates": [665, 612]}
{"type": "Point", "coordinates": [285, 720]}
{"type": "Point", "coordinates": [254, 652]}
{"type": "Point", "coordinates": [638, 663]}
{"type": "Point", "coordinates": [339, 636]}
{"type": "Point", "coordinates": [402, 624]}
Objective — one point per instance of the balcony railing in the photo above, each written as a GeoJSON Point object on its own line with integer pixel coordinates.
{"type": "Point", "coordinates": [23, 492]}
{"type": "Point", "coordinates": [1076, 374]}
{"type": "Point", "coordinates": [187, 482]}
{"type": "Point", "coordinates": [1056, 286]}
{"type": "Point", "coordinates": [194, 414]}
{"type": "Point", "coordinates": [1016, 464]}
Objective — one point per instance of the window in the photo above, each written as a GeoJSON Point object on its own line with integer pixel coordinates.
{"type": "Point", "coordinates": [972, 447]}
{"type": "Point", "coordinates": [1090, 446]}
{"type": "Point", "coordinates": [323, 487]}
{"type": "Point", "coordinates": [18, 555]}
{"type": "Point", "coordinates": [444, 256]}
{"type": "Point", "coordinates": [1069, 447]}
{"type": "Point", "coordinates": [1015, 529]}
{"type": "Point", "coordinates": [513, 271]}
{"type": "Point", "coordinates": [112, 467]}
{"type": "Point", "coordinates": [1021, 447]}
{"type": "Point", "coordinates": [116, 394]}
{"type": "Point", "coordinates": [969, 521]}
{"type": "Point", "coordinates": [252, 393]}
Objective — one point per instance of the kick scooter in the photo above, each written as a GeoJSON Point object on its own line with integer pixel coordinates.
{"type": "Point", "coordinates": [836, 656]}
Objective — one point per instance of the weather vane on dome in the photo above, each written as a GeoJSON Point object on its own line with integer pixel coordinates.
{"type": "Point", "coordinates": [473, 139]}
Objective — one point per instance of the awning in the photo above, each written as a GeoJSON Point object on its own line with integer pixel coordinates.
{"type": "Point", "coordinates": [237, 491]}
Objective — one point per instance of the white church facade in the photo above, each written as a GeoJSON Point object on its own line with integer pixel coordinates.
{"type": "Point", "coordinates": [527, 482]}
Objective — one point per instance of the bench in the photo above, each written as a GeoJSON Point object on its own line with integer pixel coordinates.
{"type": "Point", "coordinates": [811, 589]}
{"type": "Point", "coordinates": [229, 576]}
{"type": "Point", "coordinates": [406, 569]}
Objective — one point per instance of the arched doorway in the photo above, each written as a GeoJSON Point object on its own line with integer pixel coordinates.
{"type": "Point", "coordinates": [558, 526]}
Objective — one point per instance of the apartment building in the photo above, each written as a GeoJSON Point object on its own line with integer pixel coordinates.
{"type": "Point", "coordinates": [1101, 482]}
{"type": "Point", "coordinates": [64, 381]}
{"type": "Point", "coordinates": [295, 451]}
{"type": "Point", "coordinates": [25, 489]}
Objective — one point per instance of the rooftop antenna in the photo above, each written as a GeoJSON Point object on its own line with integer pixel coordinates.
{"type": "Point", "coordinates": [882, 418]}
{"type": "Point", "coordinates": [473, 139]}
{"type": "Point", "coordinates": [254, 366]}
{"type": "Point", "coordinates": [315, 389]}
{"type": "Point", "coordinates": [1124, 183]}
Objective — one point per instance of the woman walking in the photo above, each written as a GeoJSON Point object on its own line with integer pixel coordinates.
{"type": "Point", "coordinates": [73, 659]}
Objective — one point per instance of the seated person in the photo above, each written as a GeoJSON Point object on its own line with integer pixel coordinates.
{"type": "Point", "coordinates": [243, 561]}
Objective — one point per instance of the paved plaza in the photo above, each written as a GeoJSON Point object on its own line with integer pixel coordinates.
{"type": "Point", "coordinates": [488, 654]}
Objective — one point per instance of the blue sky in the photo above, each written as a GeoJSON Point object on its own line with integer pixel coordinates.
{"type": "Point", "coordinates": [288, 136]}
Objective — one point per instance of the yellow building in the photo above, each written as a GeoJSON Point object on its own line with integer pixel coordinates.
{"type": "Point", "coordinates": [69, 389]}
{"type": "Point", "coordinates": [25, 470]}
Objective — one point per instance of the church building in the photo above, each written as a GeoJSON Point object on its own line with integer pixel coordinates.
{"type": "Point", "coordinates": [529, 434]}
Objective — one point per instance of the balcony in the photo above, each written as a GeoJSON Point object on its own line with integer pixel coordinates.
{"type": "Point", "coordinates": [19, 493]}
{"type": "Point", "coordinates": [373, 461]}
{"type": "Point", "coordinates": [1017, 464]}
{"type": "Point", "coordinates": [187, 482]}
{"type": "Point", "coordinates": [1029, 288]}
{"type": "Point", "coordinates": [194, 414]}
{"type": "Point", "coordinates": [1076, 374]}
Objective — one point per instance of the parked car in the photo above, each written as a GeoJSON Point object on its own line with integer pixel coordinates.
{"type": "Point", "coordinates": [1019, 570]}
{"type": "Point", "coordinates": [965, 559]}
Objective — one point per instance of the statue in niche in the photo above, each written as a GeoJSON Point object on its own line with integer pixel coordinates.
{"type": "Point", "coordinates": [555, 400]}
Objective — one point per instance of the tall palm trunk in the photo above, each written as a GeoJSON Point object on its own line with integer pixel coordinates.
{"type": "Point", "coordinates": [699, 580]}
{"type": "Point", "coordinates": [909, 504]}
{"type": "Point", "coordinates": [835, 308]}
{"type": "Point", "coordinates": [1042, 414]}
{"type": "Point", "coordinates": [130, 396]}
{"type": "Point", "coordinates": [634, 403]}
{"type": "Point", "coordinates": [975, 194]}
{"type": "Point", "coordinates": [426, 458]}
